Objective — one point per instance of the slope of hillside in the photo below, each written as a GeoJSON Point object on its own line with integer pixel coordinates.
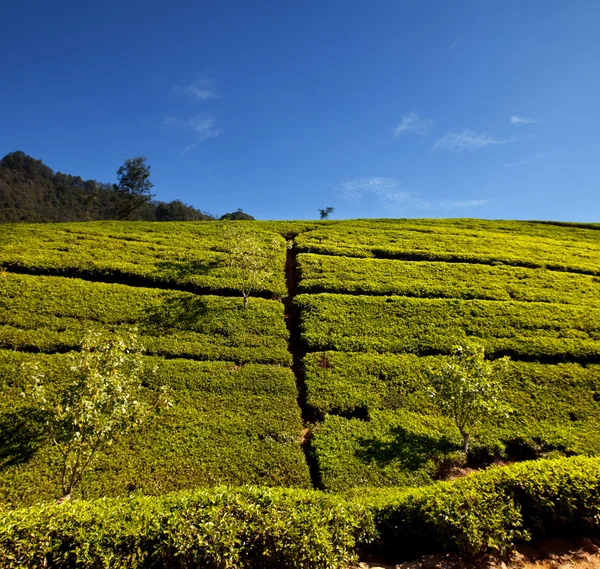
{"type": "Point", "coordinates": [377, 302]}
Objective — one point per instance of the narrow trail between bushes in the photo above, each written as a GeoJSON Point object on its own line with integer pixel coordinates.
{"type": "Point", "coordinates": [298, 351]}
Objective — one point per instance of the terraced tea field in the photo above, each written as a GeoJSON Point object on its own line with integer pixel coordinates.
{"type": "Point", "coordinates": [319, 382]}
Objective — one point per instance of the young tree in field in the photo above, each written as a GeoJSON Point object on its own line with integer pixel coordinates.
{"type": "Point", "coordinates": [100, 404]}
{"type": "Point", "coordinates": [252, 259]}
{"type": "Point", "coordinates": [468, 388]}
{"type": "Point", "coordinates": [325, 213]}
{"type": "Point", "coordinates": [133, 187]}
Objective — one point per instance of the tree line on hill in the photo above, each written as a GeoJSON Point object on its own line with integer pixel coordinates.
{"type": "Point", "coordinates": [30, 191]}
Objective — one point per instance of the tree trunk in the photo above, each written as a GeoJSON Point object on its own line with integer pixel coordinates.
{"type": "Point", "coordinates": [245, 301]}
{"type": "Point", "coordinates": [466, 438]}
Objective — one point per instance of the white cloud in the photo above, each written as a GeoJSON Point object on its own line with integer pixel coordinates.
{"type": "Point", "coordinates": [202, 89]}
{"type": "Point", "coordinates": [388, 191]}
{"type": "Point", "coordinates": [522, 120]}
{"type": "Point", "coordinates": [203, 126]}
{"type": "Point", "coordinates": [468, 140]}
{"type": "Point", "coordinates": [524, 161]}
{"type": "Point", "coordinates": [413, 123]}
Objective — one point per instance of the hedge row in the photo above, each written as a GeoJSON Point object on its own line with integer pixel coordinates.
{"type": "Point", "coordinates": [52, 314]}
{"type": "Point", "coordinates": [432, 326]}
{"type": "Point", "coordinates": [229, 425]}
{"type": "Point", "coordinates": [190, 256]}
{"type": "Point", "coordinates": [249, 527]}
{"type": "Point", "coordinates": [454, 244]}
{"type": "Point", "coordinates": [353, 384]}
{"type": "Point", "coordinates": [324, 273]}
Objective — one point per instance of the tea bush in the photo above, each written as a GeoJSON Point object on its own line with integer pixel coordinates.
{"type": "Point", "coordinates": [52, 313]}
{"type": "Point", "coordinates": [434, 326]}
{"type": "Point", "coordinates": [324, 273]}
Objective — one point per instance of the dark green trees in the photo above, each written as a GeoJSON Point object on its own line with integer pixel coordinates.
{"type": "Point", "coordinates": [133, 187]}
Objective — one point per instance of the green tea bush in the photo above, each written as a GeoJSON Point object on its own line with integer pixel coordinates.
{"type": "Point", "coordinates": [219, 528]}
{"type": "Point", "coordinates": [229, 424]}
{"type": "Point", "coordinates": [324, 273]}
{"type": "Point", "coordinates": [434, 326]}
{"type": "Point", "coordinates": [189, 256]}
{"type": "Point", "coordinates": [441, 240]}
{"type": "Point", "coordinates": [489, 511]}
{"type": "Point", "coordinates": [387, 416]}
{"type": "Point", "coordinates": [52, 313]}
{"type": "Point", "coordinates": [258, 527]}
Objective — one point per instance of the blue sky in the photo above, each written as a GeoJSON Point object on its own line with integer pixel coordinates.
{"type": "Point", "coordinates": [383, 108]}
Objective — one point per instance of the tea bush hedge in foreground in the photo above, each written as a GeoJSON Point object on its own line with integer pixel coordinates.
{"type": "Point", "coordinates": [229, 424]}
{"type": "Point", "coordinates": [444, 242]}
{"type": "Point", "coordinates": [52, 314]}
{"type": "Point", "coordinates": [186, 255]}
{"type": "Point", "coordinates": [489, 511]}
{"type": "Point", "coordinates": [324, 273]}
{"type": "Point", "coordinates": [433, 326]}
{"type": "Point", "coordinates": [249, 527]}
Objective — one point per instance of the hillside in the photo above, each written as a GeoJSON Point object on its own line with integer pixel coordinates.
{"type": "Point", "coordinates": [30, 191]}
{"type": "Point", "coordinates": [319, 383]}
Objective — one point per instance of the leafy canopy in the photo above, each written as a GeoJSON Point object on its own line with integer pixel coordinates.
{"type": "Point", "coordinates": [252, 259]}
{"type": "Point", "coordinates": [100, 404]}
{"type": "Point", "coordinates": [133, 185]}
{"type": "Point", "coordinates": [468, 388]}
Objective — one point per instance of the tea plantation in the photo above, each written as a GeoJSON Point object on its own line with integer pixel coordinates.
{"type": "Point", "coordinates": [314, 395]}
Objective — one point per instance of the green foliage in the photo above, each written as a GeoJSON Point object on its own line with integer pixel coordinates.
{"type": "Point", "coordinates": [134, 185]}
{"type": "Point", "coordinates": [433, 326]}
{"type": "Point", "coordinates": [251, 260]}
{"type": "Point", "coordinates": [52, 313]}
{"type": "Point", "coordinates": [219, 529]}
{"type": "Point", "coordinates": [468, 388]}
{"type": "Point", "coordinates": [237, 215]}
{"type": "Point", "coordinates": [99, 405]}
{"type": "Point", "coordinates": [323, 273]}
{"type": "Point", "coordinates": [325, 213]}
{"type": "Point", "coordinates": [393, 448]}
{"type": "Point", "coordinates": [387, 414]}
{"type": "Point", "coordinates": [176, 210]}
{"type": "Point", "coordinates": [30, 191]}
{"type": "Point", "coordinates": [251, 527]}
{"type": "Point", "coordinates": [228, 424]}
{"type": "Point", "coordinates": [183, 256]}
{"type": "Point", "coordinates": [523, 244]}
{"type": "Point", "coordinates": [489, 511]}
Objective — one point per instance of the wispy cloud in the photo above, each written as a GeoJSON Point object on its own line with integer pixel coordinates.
{"type": "Point", "coordinates": [458, 141]}
{"type": "Point", "coordinates": [522, 120]}
{"type": "Point", "coordinates": [388, 191]}
{"type": "Point", "coordinates": [454, 43]}
{"type": "Point", "coordinates": [413, 123]}
{"type": "Point", "coordinates": [453, 204]}
{"type": "Point", "coordinates": [202, 89]}
{"type": "Point", "coordinates": [524, 161]}
{"type": "Point", "coordinates": [204, 127]}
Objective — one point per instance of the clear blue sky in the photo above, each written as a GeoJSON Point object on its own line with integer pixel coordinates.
{"type": "Point", "coordinates": [383, 108]}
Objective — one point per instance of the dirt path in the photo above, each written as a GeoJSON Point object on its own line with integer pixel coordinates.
{"type": "Point", "coordinates": [583, 553]}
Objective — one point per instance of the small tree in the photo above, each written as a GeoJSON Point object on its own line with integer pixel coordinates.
{"type": "Point", "coordinates": [134, 185]}
{"type": "Point", "coordinates": [468, 388]}
{"type": "Point", "coordinates": [325, 213]}
{"type": "Point", "coordinates": [252, 259]}
{"type": "Point", "coordinates": [99, 405]}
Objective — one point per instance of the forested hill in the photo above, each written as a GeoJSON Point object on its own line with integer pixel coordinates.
{"type": "Point", "coordinates": [31, 191]}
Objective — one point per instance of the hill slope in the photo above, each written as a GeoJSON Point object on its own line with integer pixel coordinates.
{"type": "Point", "coordinates": [368, 304]}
